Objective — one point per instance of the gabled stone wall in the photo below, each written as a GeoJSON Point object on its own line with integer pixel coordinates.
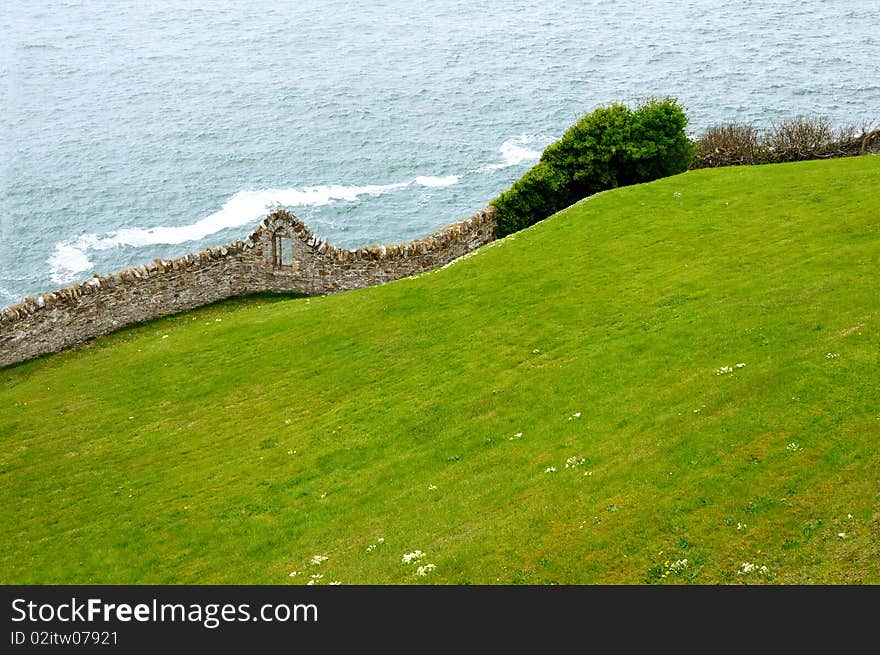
{"type": "Point", "coordinates": [53, 321]}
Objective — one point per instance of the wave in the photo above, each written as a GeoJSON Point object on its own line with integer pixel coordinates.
{"type": "Point", "coordinates": [516, 150]}
{"type": "Point", "coordinates": [430, 181]}
{"type": "Point", "coordinates": [70, 258]}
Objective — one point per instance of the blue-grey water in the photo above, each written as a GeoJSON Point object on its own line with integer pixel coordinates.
{"type": "Point", "coordinates": [140, 130]}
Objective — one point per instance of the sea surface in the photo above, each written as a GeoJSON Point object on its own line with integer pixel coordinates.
{"type": "Point", "coordinates": [140, 130]}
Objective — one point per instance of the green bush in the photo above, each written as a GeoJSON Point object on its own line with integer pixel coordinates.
{"type": "Point", "coordinates": [536, 195]}
{"type": "Point", "coordinates": [610, 147]}
{"type": "Point", "coordinates": [658, 146]}
{"type": "Point", "coordinates": [590, 152]}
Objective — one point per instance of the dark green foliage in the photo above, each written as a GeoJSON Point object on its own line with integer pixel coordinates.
{"type": "Point", "coordinates": [610, 147]}
{"type": "Point", "coordinates": [657, 145]}
{"type": "Point", "coordinates": [542, 191]}
{"type": "Point", "coordinates": [590, 153]}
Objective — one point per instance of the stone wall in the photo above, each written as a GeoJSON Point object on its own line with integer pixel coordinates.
{"type": "Point", "coordinates": [53, 321]}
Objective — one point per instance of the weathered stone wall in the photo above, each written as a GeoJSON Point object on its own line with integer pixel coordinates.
{"type": "Point", "coordinates": [319, 267]}
{"type": "Point", "coordinates": [53, 321]}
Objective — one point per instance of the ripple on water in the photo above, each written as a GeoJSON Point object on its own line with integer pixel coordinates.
{"type": "Point", "coordinates": [138, 134]}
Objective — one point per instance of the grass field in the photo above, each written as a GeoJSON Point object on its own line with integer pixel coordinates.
{"type": "Point", "coordinates": [555, 408]}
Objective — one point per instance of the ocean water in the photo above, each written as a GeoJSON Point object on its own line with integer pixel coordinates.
{"type": "Point", "coordinates": [132, 132]}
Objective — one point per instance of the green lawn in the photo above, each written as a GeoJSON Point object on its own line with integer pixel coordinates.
{"type": "Point", "coordinates": [234, 443]}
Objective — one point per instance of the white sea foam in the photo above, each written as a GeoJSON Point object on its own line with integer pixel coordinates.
{"type": "Point", "coordinates": [66, 262]}
{"type": "Point", "coordinates": [517, 150]}
{"type": "Point", "coordinates": [70, 257]}
{"type": "Point", "coordinates": [431, 181]}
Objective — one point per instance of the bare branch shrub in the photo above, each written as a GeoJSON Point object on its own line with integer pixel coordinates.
{"type": "Point", "coordinates": [801, 138]}
{"type": "Point", "coordinates": [795, 139]}
{"type": "Point", "coordinates": [728, 145]}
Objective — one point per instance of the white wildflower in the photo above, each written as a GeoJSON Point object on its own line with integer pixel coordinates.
{"type": "Point", "coordinates": [678, 566]}
{"type": "Point", "coordinates": [741, 527]}
{"type": "Point", "coordinates": [747, 567]}
{"type": "Point", "coordinates": [550, 469]}
{"type": "Point", "coordinates": [293, 574]}
{"type": "Point", "coordinates": [318, 559]}
{"type": "Point", "coordinates": [574, 461]}
{"type": "Point", "coordinates": [426, 569]}
{"type": "Point", "coordinates": [831, 355]}
{"type": "Point", "coordinates": [432, 487]}
{"type": "Point", "coordinates": [793, 447]}
{"type": "Point", "coordinates": [409, 558]}
{"type": "Point", "coordinates": [842, 535]}
{"type": "Point", "coordinates": [741, 365]}
{"type": "Point", "coordinates": [334, 582]}
{"type": "Point", "coordinates": [518, 435]}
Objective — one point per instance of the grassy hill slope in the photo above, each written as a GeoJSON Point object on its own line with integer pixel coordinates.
{"type": "Point", "coordinates": [234, 443]}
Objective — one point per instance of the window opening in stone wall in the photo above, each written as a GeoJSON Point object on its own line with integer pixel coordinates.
{"type": "Point", "coordinates": [282, 251]}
